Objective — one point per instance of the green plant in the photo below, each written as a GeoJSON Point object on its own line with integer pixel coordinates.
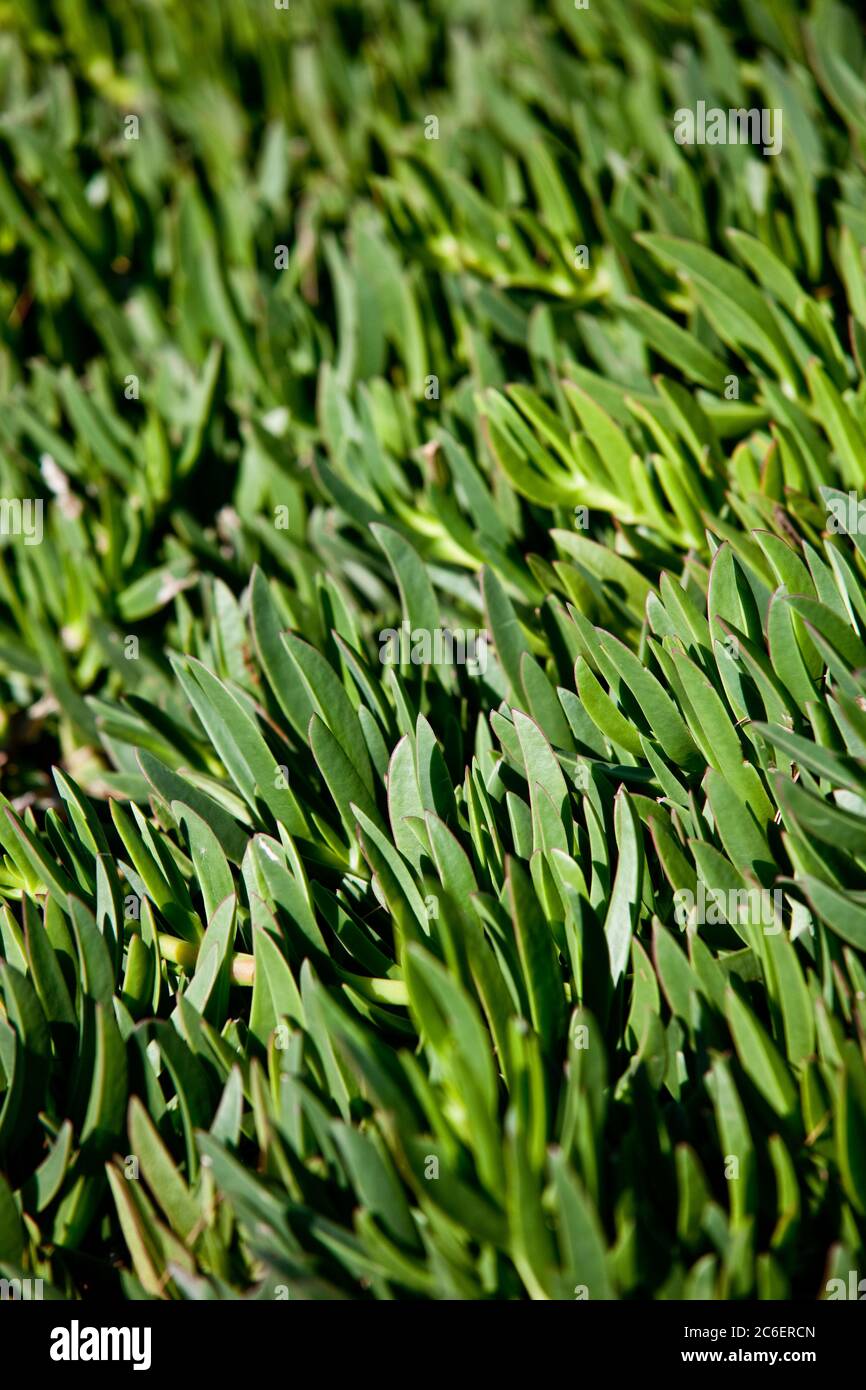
{"type": "Point", "coordinates": [327, 977]}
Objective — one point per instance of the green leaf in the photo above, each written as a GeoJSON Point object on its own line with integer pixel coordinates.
{"type": "Point", "coordinates": [508, 638]}
{"type": "Point", "coordinates": [161, 1174]}
{"type": "Point", "coordinates": [212, 871]}
{"type": "Point", "coordinates": [759, 1058]}
{"type": "Point", "coordinates": [107, 1101]}
{"type": "Point", "coordinates": [275, 993]}
{"type": "Point", "coordinates": [624, 906]}
{"type": "Point", "coordinates": [332, 706]}
{"type": "Point", "coordinates": [581, 1240]}
{"type": "Point", "coordinates": [537, 952]}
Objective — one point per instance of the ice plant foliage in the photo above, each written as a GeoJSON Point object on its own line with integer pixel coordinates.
{"type": "Point", "coordinates": [445, 629]}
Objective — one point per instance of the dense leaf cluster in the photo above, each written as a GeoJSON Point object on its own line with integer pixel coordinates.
{"type": "Point", "coordinates": [326, 975]}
